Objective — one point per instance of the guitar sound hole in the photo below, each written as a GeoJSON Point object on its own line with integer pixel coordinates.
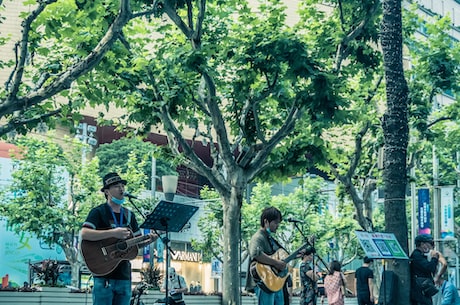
{"type": "Point", "coordinates": [122, 246]}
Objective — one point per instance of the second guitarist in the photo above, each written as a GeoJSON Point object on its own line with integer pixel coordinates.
{"type": "Point", "coordinates": [261, 247]}
{"type": "Point", "coordinates": [112, 221]}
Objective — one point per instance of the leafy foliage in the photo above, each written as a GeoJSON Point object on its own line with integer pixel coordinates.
{"type": "Point", "coordinates": [112, 153]}
{"type": "Point", "coordinates": [51, 193]}
{"type": "Point", "coordinates": [307, 203]}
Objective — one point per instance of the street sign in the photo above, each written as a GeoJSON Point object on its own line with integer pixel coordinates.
{"type": "Point", "coordinates": [380, 245]}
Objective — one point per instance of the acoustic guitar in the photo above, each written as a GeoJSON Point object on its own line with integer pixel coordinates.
{"type": "Point", "coordinates": [268, 277]}
{"type": "Point", "coordinates": [103, 256]}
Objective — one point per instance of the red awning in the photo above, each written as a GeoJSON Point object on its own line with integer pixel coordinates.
{"type": "Point", "coordinates": [6, 148]}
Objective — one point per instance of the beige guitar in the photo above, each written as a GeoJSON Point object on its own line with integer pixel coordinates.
{"type": "Point", "coordinates": [268, 277]}
{"type": "Point", "coordinates": [103, 256]}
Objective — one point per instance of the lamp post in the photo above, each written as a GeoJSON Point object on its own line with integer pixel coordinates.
{"type": "Point", "coordinates": [169, 186]}
{"type": "Point", "coordinates": [169, 183]}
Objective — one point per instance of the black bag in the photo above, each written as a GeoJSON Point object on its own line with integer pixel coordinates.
{"type": "Point", "coordinates": [170, 300]}
{"type": "Point", "coordinates": [427, 286]}
{"type": "Point", "coordinates": [177, 297]}
{"type": "Point", "coordinates": [389, 288]}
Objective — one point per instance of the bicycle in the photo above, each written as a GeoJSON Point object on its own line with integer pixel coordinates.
{"type": "Point", "coordinates": [138, 291]}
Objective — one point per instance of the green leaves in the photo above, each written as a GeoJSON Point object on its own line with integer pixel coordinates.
{"type": "Point", "coordinates": [40, 199]}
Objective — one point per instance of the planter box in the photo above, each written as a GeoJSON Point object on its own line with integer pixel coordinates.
{"type": "Point", "coordinates": [55, 296]}
{"type": "Point", "coordinates": [47, 296]}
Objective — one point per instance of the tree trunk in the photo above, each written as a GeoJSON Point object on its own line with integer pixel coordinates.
{"type": "Point", "coordinates": [396, 133]}
{"type": "Point", "coordinates": [232, 217]}
{"type": "Point", "coordinates": [71, 254]}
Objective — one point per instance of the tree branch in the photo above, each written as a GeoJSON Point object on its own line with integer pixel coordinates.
{"type": "Point", "coordinates": [259, 156]}
{"type": "Point", "coordinates": [176, 140]}
{"type": "Point", "coordinates": [15, 80]}
{"type": "Point", "coordinates": [64, 80]}
{"type": "Point", "coordinates": [199, 22]}
{"type": "Point", "coordinates": [15, 123]}
{"type": "Point", "coordinates": [218, 122]}
{"type": "Point", "coordinates": [172, 14]}
{"type": "Point", "coordinates": [438, 120]}
{"type": "Point", "coordinates": [340, 55]}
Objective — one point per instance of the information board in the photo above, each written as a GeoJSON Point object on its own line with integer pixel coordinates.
{"type": "Point", "coordinates": [380, 245]}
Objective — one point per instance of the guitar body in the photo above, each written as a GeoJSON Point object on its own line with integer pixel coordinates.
{"type": "Point", "coordinates": [103, 256]}
{"type": "Point", "coordinates": [270, 279]}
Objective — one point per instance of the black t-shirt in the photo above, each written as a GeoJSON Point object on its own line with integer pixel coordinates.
{"type": "Point", "coordinates": [101, 218]}
{"type": "Point", "coordinates": [362, 275]}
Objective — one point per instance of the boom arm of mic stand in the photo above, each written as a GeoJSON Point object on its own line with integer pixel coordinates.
{"type": "Point", "coordinates": [309, 243]}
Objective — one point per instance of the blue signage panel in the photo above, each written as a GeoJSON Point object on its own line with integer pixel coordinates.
{"type": "Point", "coordinates": [424, 226]}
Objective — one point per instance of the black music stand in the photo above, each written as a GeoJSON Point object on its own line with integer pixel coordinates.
{"type": "Point", "coordinates": [169, 217]}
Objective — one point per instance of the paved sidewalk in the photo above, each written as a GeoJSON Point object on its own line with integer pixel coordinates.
{"type": "Point", "coordinates": [348, 301]}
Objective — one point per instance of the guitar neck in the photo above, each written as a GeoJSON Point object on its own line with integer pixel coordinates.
{"type": "Point", "coordinates": [294, 254]}
{"type": "Point", "coordinates": [136, 240]}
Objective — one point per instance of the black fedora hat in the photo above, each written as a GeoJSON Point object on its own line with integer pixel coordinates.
{"type": "Point", "coordinates": [110, 179]}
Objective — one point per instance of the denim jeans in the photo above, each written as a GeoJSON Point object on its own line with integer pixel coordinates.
{"type": "Point", "coordinates": [265, 298]}
{"type": "Point", "coordinates": [111, 292]}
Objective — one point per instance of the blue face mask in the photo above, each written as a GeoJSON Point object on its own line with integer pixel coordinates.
{"type": "Point", "coordinates": [118, 201]}
{"type": "Point", "coordinates": [268, 230]}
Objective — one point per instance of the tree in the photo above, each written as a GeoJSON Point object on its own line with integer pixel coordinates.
{"type": "Point", "coordinates": [37, 89]}
{"type": "Point", "coordinates": [434, 73]}
{"type": "Point", "coordinates": [247, 84]}
{"type": "Point", "coordinates": [51, 193]}
{"type": "Point", "coordinates": [396, 133]}
{"type": "Point", "coordinates": [243, 93]}
{"type": "Point", "coordinates": [110, 155]}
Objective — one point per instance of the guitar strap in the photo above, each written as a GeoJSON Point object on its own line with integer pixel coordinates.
{"type": "Point", "coordinates": [126, 215]}
{"type": "Point", "coordinates": [278, 245]}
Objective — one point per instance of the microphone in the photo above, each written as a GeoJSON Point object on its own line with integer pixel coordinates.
{"type": "Point", "coordinates": [291, 219]}
{"type": "Point", "coordinates": [126, 194]}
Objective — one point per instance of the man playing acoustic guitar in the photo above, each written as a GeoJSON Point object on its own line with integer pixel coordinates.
{"type": "Point", "coordinates": [107, 244]}
{"type": "Point", "coordinates": [262, 247]}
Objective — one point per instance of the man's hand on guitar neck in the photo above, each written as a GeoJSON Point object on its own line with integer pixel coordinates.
{"type": "Point", "coordinates": [280, 265]}
{"type": "Point", "coordinates": [153, 237]}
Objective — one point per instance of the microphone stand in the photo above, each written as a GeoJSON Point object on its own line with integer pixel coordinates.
{"type": "Point", "coordinates": [313, 247]}
{"type": "Point", "coordinates": [165, 240]}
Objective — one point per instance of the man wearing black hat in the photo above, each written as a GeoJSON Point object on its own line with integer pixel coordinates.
{"type": "Point", "coordinates": [111, 220]}
{"type": "Point", "coordinates": [423, 269]}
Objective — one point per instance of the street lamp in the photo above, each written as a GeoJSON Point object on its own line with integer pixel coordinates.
{"type": "Point", "coordinates": [169, 186]}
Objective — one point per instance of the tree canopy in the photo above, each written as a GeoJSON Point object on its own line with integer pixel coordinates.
{"type": "Point", "coordinates": [270, 99]}
{"type": "Point", "coordinates": [52, 192]}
